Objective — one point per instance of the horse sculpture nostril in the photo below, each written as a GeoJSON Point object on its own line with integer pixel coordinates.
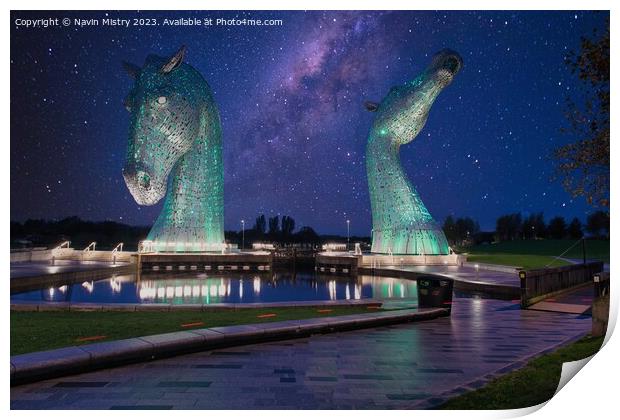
{"type": "Point", "coordinates": [452, 64]}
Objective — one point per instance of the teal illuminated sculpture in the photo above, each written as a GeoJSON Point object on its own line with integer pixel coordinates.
{"type": "Point", "coordinates": [401, 222]}
{"type": "Point", "coordinates": [175, 149]}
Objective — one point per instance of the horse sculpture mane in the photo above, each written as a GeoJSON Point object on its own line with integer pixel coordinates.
{"type": "Point", "coordinates": [175, 150]}
{"type": "Point", "coordinates": [401, 222]}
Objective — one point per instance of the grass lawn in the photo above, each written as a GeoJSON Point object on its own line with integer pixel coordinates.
{"type": "Point", "coordinates": [516, 260]}
{"type": "Point", "coordinates": [536, 253]}
{"type": "Point", "coordinates": [531, 385]}
{"type": "Point", "coordinates": [36, 331]}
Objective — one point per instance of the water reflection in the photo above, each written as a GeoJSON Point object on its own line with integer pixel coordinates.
{"type": "Point", "coordinates": [229, 288]}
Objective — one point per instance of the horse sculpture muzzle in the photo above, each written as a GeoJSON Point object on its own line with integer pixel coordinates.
{"type": "Point", "coordinates": [142, 187]}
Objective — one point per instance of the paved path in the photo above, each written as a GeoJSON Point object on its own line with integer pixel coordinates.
{"type": "Point", "coordinates": [402, 366]}
{"type": "Point", "coordinates": [464, 273]}
{"type": "Point", "coordinates": [576, 301]}
{"type": "Point", "coordinates": [39, 268]}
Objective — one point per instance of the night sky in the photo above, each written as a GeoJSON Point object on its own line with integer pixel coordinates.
{"type": "Point", "coordinates": [291, 102]}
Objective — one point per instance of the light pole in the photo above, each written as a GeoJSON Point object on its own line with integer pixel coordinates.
{"type": "Point", "coordinates": [242, 234]}
{"type": "Point", "coordinates": [348, 231]}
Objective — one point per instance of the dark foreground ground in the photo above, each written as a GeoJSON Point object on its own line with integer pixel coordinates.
{"type": "Point", "coordinates": [416, 365]}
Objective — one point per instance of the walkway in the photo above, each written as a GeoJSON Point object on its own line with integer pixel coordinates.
{"type": "Point", "coordinates": [40, 268]}
{"type": "Point", "coordinates": [469, 274]}
{"type": "Point", "coordinates": [404, 366]}
{"type": "Point", "coordinates": [576, 301]}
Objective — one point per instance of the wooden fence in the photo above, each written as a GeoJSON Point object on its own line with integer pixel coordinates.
{"type": "Point", "coordinates": [540, 284]}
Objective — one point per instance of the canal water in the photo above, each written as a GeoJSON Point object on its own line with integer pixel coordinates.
{"type": "Point", "coordinates": [225, 288]}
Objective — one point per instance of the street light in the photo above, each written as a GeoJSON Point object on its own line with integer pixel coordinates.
{"type": "Point", "coordinates": [348, 230]}
{"type": "Point", "coordinates": [242, 234]}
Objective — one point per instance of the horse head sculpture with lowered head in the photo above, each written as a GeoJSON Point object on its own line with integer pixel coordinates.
{"type": "Point", "coordinates": [175, 150]}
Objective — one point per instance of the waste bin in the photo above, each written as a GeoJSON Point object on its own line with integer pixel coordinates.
{"type": "Point", "coordinates": [435, 292]}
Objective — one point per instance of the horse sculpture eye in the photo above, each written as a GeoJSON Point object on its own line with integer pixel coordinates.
{"type": "Point", "coordinates": [161, 100]}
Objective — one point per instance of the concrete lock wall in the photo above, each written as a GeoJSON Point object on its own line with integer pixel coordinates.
{"type": "Point", "coordinates": [395, 260]}
{"type": "Point", "coordinates": [70, 254]}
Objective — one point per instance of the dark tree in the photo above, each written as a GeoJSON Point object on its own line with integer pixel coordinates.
{"type": "Point", "coordinates": [598, 224]}
{"type": "Point", "coordinates": [460, 231]}
{"type": "Point", "coordinates": [288, 225]}
{"type": "Point", "coordinates": [274, 225]}
{"type": "Point", "coordinates": [508, 227]}
{"type": "Point", "coordinates": [465, 228]}
{"type": "Point", "coordinates": [307, 235]}
{"type": "Point", "coordinates": [534, 226]}
{"type": "Point", "coordinates": [574, 229]}
{"type": "Point", "coordinates": [449, 228]}
{"type": "Point", "coordinates": [260, 226]}
{"type": "Point", "coordinates": [557, 228]}
{"type": "Point", "coordinates": [583, 166]}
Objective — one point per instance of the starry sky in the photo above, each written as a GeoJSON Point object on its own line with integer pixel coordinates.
{"type": "Point", "coordinates": [291, 103]}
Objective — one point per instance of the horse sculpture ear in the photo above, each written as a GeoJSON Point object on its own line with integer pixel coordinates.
{"type": "Point", "coordinates": [371, 106]}
{"type": "Point", "coordinates": [131, 69]}
{"type": "Point", "coordinates": [175, 61]}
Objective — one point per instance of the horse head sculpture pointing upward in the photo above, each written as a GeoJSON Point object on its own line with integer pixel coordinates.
{"type": "Point", "coordinates": [401, 222]}
{"type": "Point", "coordinates": [175, 150]}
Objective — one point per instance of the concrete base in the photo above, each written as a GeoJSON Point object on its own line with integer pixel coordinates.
{"type": "Point", "coordinates": [347, 263]}
{"type": "Point", "coordinates": [378, 260]}
{"type": "Point", "coordinates": [205, 262]}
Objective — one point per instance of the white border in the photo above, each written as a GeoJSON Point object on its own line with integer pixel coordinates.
{"type": "Point", "coordinates": [592, 394]}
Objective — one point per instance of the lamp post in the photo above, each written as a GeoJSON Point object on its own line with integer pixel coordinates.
{"type": "Point", "coordinates": [242, 234]}
{"type": "Point", "coordinates": [348, 231]}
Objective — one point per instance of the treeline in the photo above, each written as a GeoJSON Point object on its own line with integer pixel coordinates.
{"type": "Point", "coordinates": [460, 231]}
{"type": "Point", "coordinates": [274, 229]}
{"type": "Point", "coordinates": [514, 226]}
{"type": "Point", "coordinates": [108, 234]}
{"type": "Point", "coordinates": [49, 233]}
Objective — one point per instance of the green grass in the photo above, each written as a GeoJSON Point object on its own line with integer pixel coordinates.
{"type": "Point", "coordinates": [595, 248]}
{"type": "Point", "coordinates": [531, 254]}
{"type": "Point", "coordinates": [36, 331]}
{"type": "Point", "coordinates": [531, 385]}
{"type": "Point", "coordinates": [517, 260]}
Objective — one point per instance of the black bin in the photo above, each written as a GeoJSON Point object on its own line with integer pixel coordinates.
{"type": "Point", "coordinates": [435, 292]}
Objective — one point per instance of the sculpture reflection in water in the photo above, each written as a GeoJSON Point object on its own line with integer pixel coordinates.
{"type": "Point", "coordinates": [401, 222]}
{"type": "Point", "coordinates": [175, 149]}
{"type": "Point", "coordinates": [233, 288]}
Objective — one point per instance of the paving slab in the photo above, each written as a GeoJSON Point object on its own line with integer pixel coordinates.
{"type": "Point", "coordinates": [410, 365]}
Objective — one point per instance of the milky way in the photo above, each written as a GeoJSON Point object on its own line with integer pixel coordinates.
{"type": "Point", "coordinates": [291, 101]}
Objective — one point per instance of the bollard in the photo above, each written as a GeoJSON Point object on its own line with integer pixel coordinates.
{"type": "Point", "coordinates": [600, 304]}
{"type": "Point", "coordinates": [434, 292]}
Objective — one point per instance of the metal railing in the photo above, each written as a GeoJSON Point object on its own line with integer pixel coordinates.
{"type": "Point", "coordinates": [65, 244]}
{"type": "Point", "coordinates": [90, 247]}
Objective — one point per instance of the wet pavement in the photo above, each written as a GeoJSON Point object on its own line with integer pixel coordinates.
{"type": "Point", "coordinates": [576, 301]}
{"type": "Point", "coordinates": [404, 366]}
{"type": "Point", "coordinates": [464, 273]}
{"type": "Point", "coordinates": [40, 268]}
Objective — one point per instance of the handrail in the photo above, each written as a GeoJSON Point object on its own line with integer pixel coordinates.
{"type": "Point", "coordinates": [65, 244]}
{"type": "Point", "coordinates": [91, 245]}
{"type": "Point", "coordinates": [118, 248]}
{"type": "Point", "coordinates": [565, 251]}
